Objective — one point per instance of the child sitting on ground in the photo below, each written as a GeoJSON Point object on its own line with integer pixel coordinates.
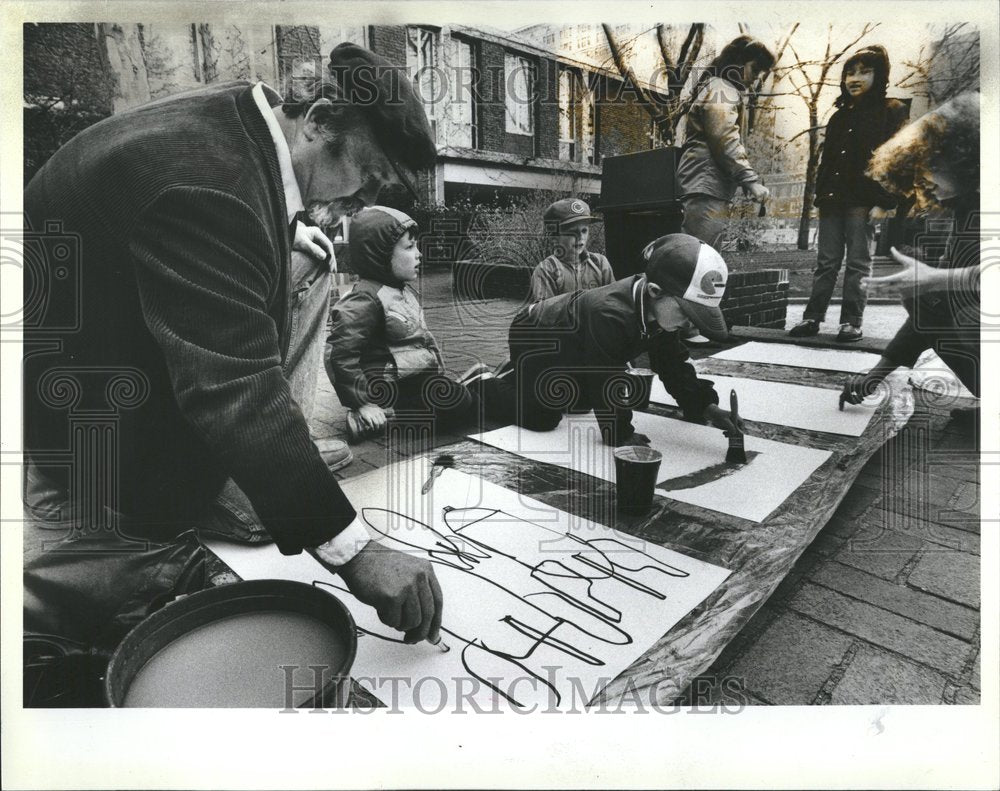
{"type": "Point", "coordinates": [571, 267]}
{"type": "Point", "coordinates": [380, 355]}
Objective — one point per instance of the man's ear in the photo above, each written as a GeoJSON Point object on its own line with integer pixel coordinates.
{"type": "Point", "coordinates": [653, 289]}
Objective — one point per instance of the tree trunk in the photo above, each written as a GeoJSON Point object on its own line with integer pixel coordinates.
{"type": "Point", "coordinates": [121, 52]}
{"type": "Point", "coordinates": [809, 193]}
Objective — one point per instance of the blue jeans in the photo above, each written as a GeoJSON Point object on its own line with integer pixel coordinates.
{"type": "Point", "coordinates": [841, 228]}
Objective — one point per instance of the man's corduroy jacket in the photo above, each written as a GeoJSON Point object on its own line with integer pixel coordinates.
{"type": "Point", "coordinates": [178, 285]}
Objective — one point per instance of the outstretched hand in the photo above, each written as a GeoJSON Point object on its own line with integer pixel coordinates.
{"type": "Point", "coordinates": [915, 278]}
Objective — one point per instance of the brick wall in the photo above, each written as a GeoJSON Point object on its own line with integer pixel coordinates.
{"type": "Point", "coordinates": [493, 135]}
{"type": "Point", "coordinates": [489, 98]}
{"type": "Point", "coordinates": [389, 42]}
{"type": "Point", "coordinates": [623, 123]}
{"type": "Point", "coordinates": [547, 115]}
{"type": "Point", "coordinates": [756, 299]}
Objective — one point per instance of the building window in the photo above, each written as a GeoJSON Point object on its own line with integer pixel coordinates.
{"type": "Point", "coordinates": [569, 114]}
{"type": "Point", "coordinates": [461, 96]}
{"type": "Point", "coordinates": [550, 38]}
{"type": "Point", "coordinates": [300, 60]}
{"type": "Point", "coordinates": [422, 66]}
{"type": "Point", "coordinates": [330, 37]}
{"type": "Point", "coordinates": [591, 137]}
{"type": "Point", "coordinates": [566, 35]}
{"type": "Point", "coordinates": [583, 36]}
{"type": "Point", "coordinates": [519, 99]}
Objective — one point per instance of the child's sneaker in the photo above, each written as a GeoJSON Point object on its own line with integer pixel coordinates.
{"type": "Point", "coordinates": [805, 329]}
{"type": "Point", "coordinates": [335, 453]}
{"type": "Point", "coordinates": [849, 334]}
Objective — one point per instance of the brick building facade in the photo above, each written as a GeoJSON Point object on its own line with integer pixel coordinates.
{"type": "Point", "coordinates": [509, 115]}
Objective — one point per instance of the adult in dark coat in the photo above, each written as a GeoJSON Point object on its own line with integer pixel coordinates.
{"type": "Point", "coordinates": [179, 214]}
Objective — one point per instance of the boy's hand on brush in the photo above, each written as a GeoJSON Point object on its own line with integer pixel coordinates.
{"type": "Point", "coordinates": [721, 418]}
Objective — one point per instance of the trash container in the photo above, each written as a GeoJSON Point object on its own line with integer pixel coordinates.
{"type": "Point", "coordinates": [639, 203]}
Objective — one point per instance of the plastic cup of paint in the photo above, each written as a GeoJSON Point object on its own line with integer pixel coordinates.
{"type": "Point", "coordinates": [641, 387]}
{"type": "Point", "coordinates": [636, 468]}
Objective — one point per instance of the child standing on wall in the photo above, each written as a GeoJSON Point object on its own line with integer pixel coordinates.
{"type": "Point", "coordinates": [571, 267]}
{"type": "Point", "coordinates": [849, 202]}
{"type": "Point", "coordinates": [380, 355]}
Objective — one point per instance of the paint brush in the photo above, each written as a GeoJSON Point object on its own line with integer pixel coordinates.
{"type": "Point", "coordinates": [737, 453]}
{"type": "Point", "coordinates": [443, 461]}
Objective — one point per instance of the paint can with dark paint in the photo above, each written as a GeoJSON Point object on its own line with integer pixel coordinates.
{"type": "Point", "coordinates": [259, 644]}
{"type": "Point", "coordinates": [640, 387]}
{"type": "Point", "coordinates": [636, 470]}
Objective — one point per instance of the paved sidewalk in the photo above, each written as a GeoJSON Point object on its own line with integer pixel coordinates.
{"type": "Point", "coordinates": [883, 607]}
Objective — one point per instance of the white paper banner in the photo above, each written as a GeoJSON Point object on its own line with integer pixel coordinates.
{"type": "Point", "coordinates": [693, 469]}
{"type": "Point", "coordinates": [800, 357]}
{"type": "Point", "coordinates": [541, 609]}
{"type": "Point", "coordinates": [798, 406]}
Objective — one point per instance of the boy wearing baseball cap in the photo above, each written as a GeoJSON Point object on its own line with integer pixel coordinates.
{"type": "Point", "coordinates": [567, 352]}
{"type": "Point", "coordinates": [571, 266]}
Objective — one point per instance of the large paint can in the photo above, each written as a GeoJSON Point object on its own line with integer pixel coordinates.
{"type": "Point", "coordinates": [265, 643]}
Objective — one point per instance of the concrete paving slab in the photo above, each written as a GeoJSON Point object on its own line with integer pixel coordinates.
{"type": "Point", "coordinates": [967, 696]}
{"type": "Point", "coordinates": [879, 551]}
{"type": "Point", "coordinates": [883, 628]}
{"type": "Point", "coordinates": [952, 536]}
{"type": "Point", "coordinates": [935, 612]}
{"type": "Point", "coordinates": [953, 575]}
{"type": "Point", "coordinates": [878, 677]}
{"type": "Point", "coordinates": [792, 661]}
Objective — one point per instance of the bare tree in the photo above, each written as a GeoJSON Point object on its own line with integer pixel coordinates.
{"type": "Point", "coordinates": [665, 111]}
{"type": "Point", "coordinates": [946, 67]}
{"type": "Point", "coordinates": [808, 78]}
{"type": "Point", "coordinates": [758, 94]}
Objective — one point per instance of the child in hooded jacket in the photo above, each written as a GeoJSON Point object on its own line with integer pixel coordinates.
{"type": "Point", "coordinates": [380, 355]}
{"type": "Point", "coordinates": [849, 201]}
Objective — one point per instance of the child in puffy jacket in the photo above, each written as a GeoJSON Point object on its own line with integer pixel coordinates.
{"type": "Point", "coordinates": [380, 355]}
{"type": "Point", "coordinates": [849, 201]}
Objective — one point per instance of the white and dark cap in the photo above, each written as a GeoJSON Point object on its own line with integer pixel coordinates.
{"type": "Point", "coordinates": [693, 272]}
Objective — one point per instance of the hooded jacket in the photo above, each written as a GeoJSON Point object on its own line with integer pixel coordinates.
{"type": "Point", "coordinates": [378, 330]}
{"type": "Point", "coordinates": [853, 133]}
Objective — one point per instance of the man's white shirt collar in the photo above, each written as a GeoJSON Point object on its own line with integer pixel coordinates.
{"type": "Point", "coordinates": [293, 198]}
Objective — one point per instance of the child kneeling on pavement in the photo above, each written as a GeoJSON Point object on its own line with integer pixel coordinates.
{"type": "Point", "coordinates": [569, 353]}
{"type": "Point", "coordinates": [380, 356]}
